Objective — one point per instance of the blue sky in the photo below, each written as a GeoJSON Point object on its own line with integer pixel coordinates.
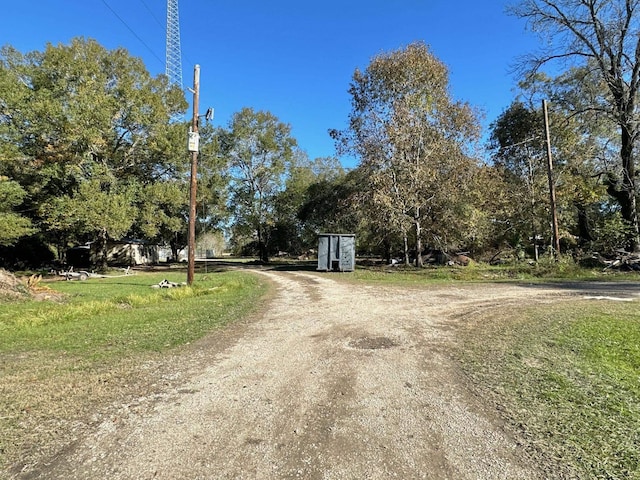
{"type": "Point", "coordinates": [292, 58]}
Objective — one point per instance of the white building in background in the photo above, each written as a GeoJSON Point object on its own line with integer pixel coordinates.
{"type": "Point", "coordinates": [133, 252]}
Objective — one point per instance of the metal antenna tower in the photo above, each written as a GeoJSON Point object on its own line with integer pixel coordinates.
{"type": "Point", "coordinates": [174, 56]}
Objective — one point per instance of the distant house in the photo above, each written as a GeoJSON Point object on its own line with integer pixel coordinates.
{"type": "Point", "coordinates": [130, 251]}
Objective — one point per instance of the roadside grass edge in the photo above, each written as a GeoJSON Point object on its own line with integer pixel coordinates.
{"type": "Point", "coordinates": [62, 363]}
{"type": "Point", "coordinates": [566, 378]}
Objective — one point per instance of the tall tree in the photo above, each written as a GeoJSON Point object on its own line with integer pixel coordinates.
{"type": "Point", "coordinates": [84, 121]}
{"type": "Point", "coordinates": [258, 148]}
{"type": "Point", "coordinates": [590, 143]}
{"type": "Point", "coordinates": [410, 135]}
{"type": "Point", "coordinates": [162, 197]}
{"type": "Point", "coordinates": [332, 204]}
{"type": "Point", "coordinates": [517, 143]}
{"type": "Point", "coordinates": [603, 36]}
{"type": "Point", "coordinates": [291, 234]}
{"type": "Point", "coordinates": [518, 150]}
{"type": "Point", "coordinates": [213, 184]}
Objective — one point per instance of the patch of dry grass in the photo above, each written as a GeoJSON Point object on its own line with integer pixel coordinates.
{"type": "Point", "coordinates": [46, 399]}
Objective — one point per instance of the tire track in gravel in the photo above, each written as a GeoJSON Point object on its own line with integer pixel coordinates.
{"type": "Point", "coordinates": [334, 381]}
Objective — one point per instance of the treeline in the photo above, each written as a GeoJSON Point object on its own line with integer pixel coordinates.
{"type": "Point", "coordinates": [90, 151]}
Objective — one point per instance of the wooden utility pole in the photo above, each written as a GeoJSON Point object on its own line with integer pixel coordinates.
{"type": "Point", "coordinates": [552, 188]}
{"type": "Point", "coordinates": [194, 138]}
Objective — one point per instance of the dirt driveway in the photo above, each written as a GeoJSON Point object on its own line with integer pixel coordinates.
{"type": "Point", "coordinates": [333, 381]}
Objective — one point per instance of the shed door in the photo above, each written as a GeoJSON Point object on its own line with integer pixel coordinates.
{"type": "Point", "coordinates": [334, 254]}
{"type": "Point", "coordinates": [347, 253]}
{"type": "Point", "coordinates": [323, 253]}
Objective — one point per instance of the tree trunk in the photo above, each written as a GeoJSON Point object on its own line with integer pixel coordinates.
{"type": "Point", "coordinates": [627, 203]}
{"type": "Point", "coordinates": [264, 254]}
{"type": "Point", "coordinates": [407, 259]}
{"type": "Point", "coordinates": [416, 220]}
{"type": "Point", "coordinates": [386, 246]}
{"type": "Point", "coordinates": [262, 247]}
{"type": "Point", "coordinates": [102, 262]}
{"type": "Point", "coordinates": [627, 196]}
{"type": "Point", "coordinates": [585, 231]}
{"type": "Point", "coordinates": [624, 192]}
{"type": "Point", "coordinates": [634, 244]}
{"type": "Point", "coordinates": [61, 250]}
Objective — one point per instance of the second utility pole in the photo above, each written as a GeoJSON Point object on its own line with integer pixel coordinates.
{"type": "Point", "coordinates": [193, 148]}
{"type": "Point", "coordinates": [552, 188]}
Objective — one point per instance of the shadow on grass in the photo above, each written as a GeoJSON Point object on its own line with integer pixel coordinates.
{"type": "Point", "coordinates": [591, 288]}
{"type": "Point", "coordinates": [215, 265]}
{"type": "Point", "coordinates": [294, 267]}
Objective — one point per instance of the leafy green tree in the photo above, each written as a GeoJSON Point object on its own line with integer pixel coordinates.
{"type": "Point", "coordinates": [12, 225]}
{"type": "Point", "coordinates": [213, 184]}
{"type": "Point", "coordinates": [411, 138]}
{"type": "Point", "coordinates": [601, 37]}
{"type": "Point", "coordinates": [588, 146]}
{"type": "Point", "coordinates": [331, 204]}
{"type": "Point", "coordinates": [518, 145]}
{"type": "Point", "coordinates": [582, 153]}
{"type": "Point", "coordinates": [492, 222]}
{"type": "Point", "coordinates": [86, 122]}
{"type": "Point", "coordinates": [163, 202]}
{"type": "Point", "coordinates": [258, 148]}
{"type": "Point", "coordinates": [290, 234]}
{"type": "Point", "coordinates": [162, 213]}
{"type": "Point", "coordinates": [96, 213]}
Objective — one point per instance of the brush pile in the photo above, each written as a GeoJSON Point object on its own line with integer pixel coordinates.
{"type": "Point", "coordinates": [11, 288]}
{"type": "Point", "coordinates": [623, 261]}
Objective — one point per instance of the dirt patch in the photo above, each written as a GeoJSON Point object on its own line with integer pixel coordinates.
{"type": "Point", "coordinates": [331, 381]}
{"type": "Point", "coordinates": [375, 343]}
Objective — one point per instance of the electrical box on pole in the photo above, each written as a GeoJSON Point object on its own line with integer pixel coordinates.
{"type": "Point", "coordinates": [193, 144]}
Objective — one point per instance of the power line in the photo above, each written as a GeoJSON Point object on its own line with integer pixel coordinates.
{"type": "Point", "coordinates": [153, 15]}
{"type": "Point", "coordinates": [133, 32]}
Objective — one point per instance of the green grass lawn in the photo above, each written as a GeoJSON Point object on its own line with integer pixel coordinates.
{"type": "Point", "coordinates": [60, 361]}
{"type": "Point", "coordinates": [567, 377]}
{"type": "Point", "coordinates": [120, 316]}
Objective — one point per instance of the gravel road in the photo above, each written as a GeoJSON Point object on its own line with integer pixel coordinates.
{"type": "Point", "coordinates": [333, 380]}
